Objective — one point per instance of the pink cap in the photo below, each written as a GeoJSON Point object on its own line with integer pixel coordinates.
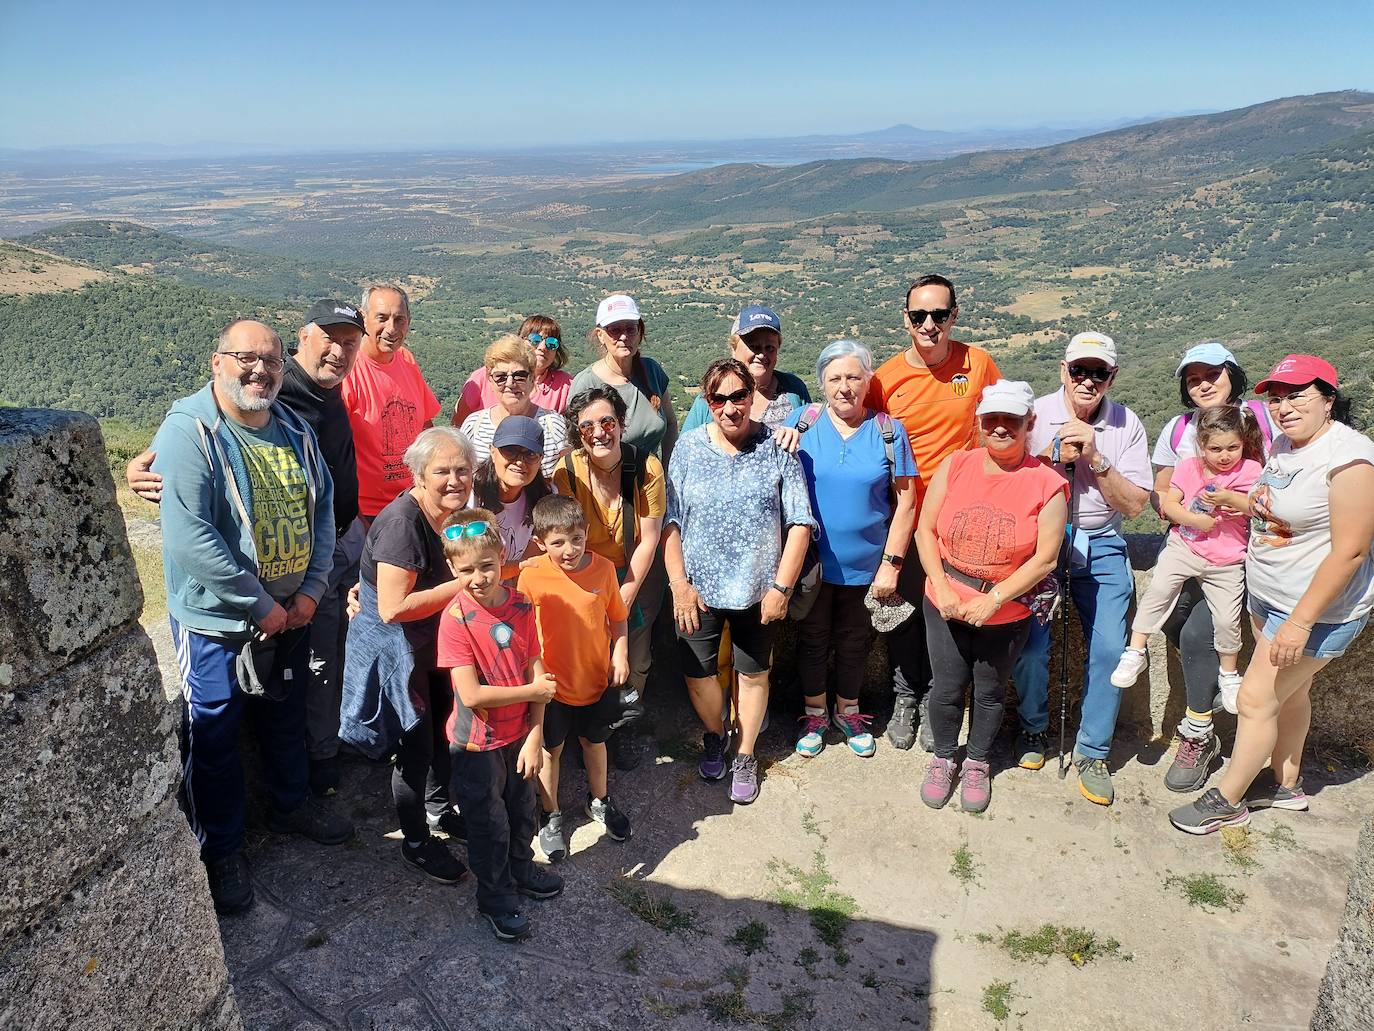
{"type": "Point", "coordinates": [1296, 370]}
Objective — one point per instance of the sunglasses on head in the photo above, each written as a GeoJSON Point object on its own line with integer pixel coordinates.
{"type": "Point", "coordinates": [738, 397]}
{"type": "Point", "coordinates": [500, 378]}
{"type": "Point", "coordinates": [458, 531]}
{"type": "Point", "coordinates": [607, 423]}
{"type": "Point", "coordinates": [539, 338]}
{"type": "Point", "coordinates": [939, 316]}
{"type": "Point", "coordinates": [1093, 372]}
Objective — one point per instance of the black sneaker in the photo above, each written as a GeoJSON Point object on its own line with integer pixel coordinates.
{"type": "Point", "coordinates": [604, 812]}
{"type": "Point", "coordinates": [542, 884]}
{"type": "Point", "coordinates": [231, 887]}
{"type": "Point", "coordinates": [1192, 763]}
{"type": "Point", "coordinates": [451, 822]}
{"type": "Point", "coordinates": [434, 860]}
{"type": "Point", "coordinates": [324, 776]}
{"type": "Point", "coordinates": [925, 735]}
{"type": "Point", "coordinates": [551, 840]}
{"type": "Point", "coordinates": [623, 749]}
{"type": "Point", "coordinates": [312, 819]}
{"type": "Point", "coordinates": [901, 728]}
{"type": "Point", "coordinates": [508, 927]}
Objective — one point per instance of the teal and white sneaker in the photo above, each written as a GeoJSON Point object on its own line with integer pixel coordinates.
{"type": "Point", "coordinates": [812, 739]}
{"type": "Point", "coordinates": [854, 726]}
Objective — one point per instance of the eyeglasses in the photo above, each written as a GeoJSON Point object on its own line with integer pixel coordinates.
{"type": "Point", "coordinates": [939, 316]}
{"type": "Point", "coordinates": [616, 329]}
{"type": "Point", "coordinates": [458, 531]}
{"type": "Point", "coordinates": [250, 359]}
{"type": "Point", "coordinates": [719, 401]}
{"type": "Point", "coordinates": [539, 338]}
{"type": "Point", "coordinates": [607, 423]}
{"type": "Point", "coordinates": [501, 378]}
{"type": "Point", "coordinates": [1093, 372]}
{"type": "Point", "coordinates": [1300, 400]}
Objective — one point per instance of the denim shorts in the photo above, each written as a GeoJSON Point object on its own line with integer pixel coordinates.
{"type": "Point", "coordinates": [1326, 641]}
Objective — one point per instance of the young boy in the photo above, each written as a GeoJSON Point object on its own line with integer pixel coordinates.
{"type": "Point", "coordinates": [582, 628]}
{"type": "Point", "coordinates": [488, 640]}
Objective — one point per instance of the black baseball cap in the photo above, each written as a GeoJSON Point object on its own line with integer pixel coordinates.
{"type": "Point", "coordinates": [330, 312]}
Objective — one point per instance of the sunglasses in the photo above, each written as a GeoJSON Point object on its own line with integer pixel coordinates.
{"type": "Point", "coordinates": [939, 316]}
{"type": "Point", "coordinates": [607, 423]}
{"type": "Point", "coordinates": [458, 531]}
{"type": "Point", "coordinates": [760, 346]}
{"type": "Point", "coordinates": [1092, 372]}
{"type": "Point", "coordinates": [539, 338]}
{"type": "Point", "coordinates": [719, 401]}
{"type": "Point", "coordinates": [515, 453]}
{"type": "Point", "coordinates": [500, 378]}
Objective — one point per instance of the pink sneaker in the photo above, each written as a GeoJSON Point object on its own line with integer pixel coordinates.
{"type": "Point", "coordinates": [939, 782]}
{"type": "Point", "coordinates": [975, 786]}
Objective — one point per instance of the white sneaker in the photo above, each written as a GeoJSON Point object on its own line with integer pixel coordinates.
{"type": "Point", "coordinates": [1229, 686]}
{"type": "Point", "coordinates": [1127, 671]}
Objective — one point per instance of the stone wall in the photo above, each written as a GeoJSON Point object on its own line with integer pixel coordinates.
{"type": "Point", "coordinates": [1346, 999]}
{"type": "Point", "coordinates": [105, 917]}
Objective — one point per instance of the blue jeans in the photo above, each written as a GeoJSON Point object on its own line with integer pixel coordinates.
{"type": "Point", "coordinates": [1102, 592]}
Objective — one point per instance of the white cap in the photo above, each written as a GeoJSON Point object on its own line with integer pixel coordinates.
{"type": "Point", "coordinates": [617, 308]}
{"type": "Point", "coordinates": [1092, 345]}
{"type": "Point", "coordinates": [1009, 396]}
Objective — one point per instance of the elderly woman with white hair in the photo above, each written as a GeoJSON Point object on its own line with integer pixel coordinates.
{"type": "Point", "coordinates": [862, 478]}
{"type": "Point", "coordinates": [395, 702]}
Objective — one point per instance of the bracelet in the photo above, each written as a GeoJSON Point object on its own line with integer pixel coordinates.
{"type": "Point", "coordinates": [1301, 626]}
{"type": "Point", "coordinates": [679, 580]}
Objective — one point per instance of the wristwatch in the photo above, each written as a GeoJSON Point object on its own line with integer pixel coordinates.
{"type": "Point", "coordinates": [1099, 469]}
{"type": "Point", "coordinates": [895, 561]}
{"type": "Point", "coordinates": [786, 592]}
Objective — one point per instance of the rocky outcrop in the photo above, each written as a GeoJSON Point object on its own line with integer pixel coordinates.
{"type": "Point", "coordinates": [1346, 999]}
{"type": "Point", "coordinates": [105, 918]}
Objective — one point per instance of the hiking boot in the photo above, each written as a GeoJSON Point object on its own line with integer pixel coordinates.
{"type": "Point", "coordinates": [324, 776]}
{"type": "Point", "coordinates": [551, 840]}
{"type": "Point", "coordinates": [1094, 779]}
{"type": "Point", "coordinates": [975, 786]}
{"type": "Point", "coordinates": [312, 819]}
{"type": "Point", "coordinates": [813, 726]}
{"type": "Point", "coordinates": [541, 884]}
{"type": "Point", "coordinates": [712, 765]}
{"type": "Point", "coordinates": [1228, 688]}
{"type": "Point", "coordinates": [451, 822]}
{"type": "Point", "coordinates": [901, 728]}
{"type": "Point", "coordinates": [744, 779]}
{"type": "Point", "coordinates": [1128, 669]}
{"type": "Point", "coordinates": [925, 735]}
{"type": "Point", "coordinates": [854, 727]}
{"type": "Point", "coordinates": [1192, 762]}
{"type": "Point", "coordinates": [1209, 813]}
{"type": "Point", "coordinates": [604, 812]}
{"type": "Point", "coordinates": [939, 782]}
{"type": "Point", "coordinates": [623, 749]}
{"type": "Point", "coordinates": [433, 859]}
{"type": "Point", "coordinates": [1031, 747]}
{"type": "Point", "coordinates": [231, 887]}
{"type": "Point", "coordinates": [508, 927]}
{"type": "Point", "coordinates": [1270, 794]}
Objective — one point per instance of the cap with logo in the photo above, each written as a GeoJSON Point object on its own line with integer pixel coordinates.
{"type": "Point", "coordinates": [1091, 345]}
{"type": "Point", "coordinates": [1211, 352]}
{"type": "Point", "coordinates": [756, 316]}
{"type": "Point", "coordinates": [519, 431]}
{"type": "Point", "coordinates": [1298, 370]}
{"type": "Point", "coordinates": [330, 312]}
{"type": "Point", "coordinates": [617, 308]}
{"type": "Point", "coordinates": [1007, 396]}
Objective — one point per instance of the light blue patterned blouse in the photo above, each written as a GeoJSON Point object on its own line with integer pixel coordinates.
{"type": "Point", "coordinates": [732, 511]}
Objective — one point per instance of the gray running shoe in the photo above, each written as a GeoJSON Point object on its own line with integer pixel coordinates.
{"type": "Point", "coordinates": [1268, 794]}
{"type": "Point", "coordinates": [1094, 779]}
{"type": "Point", "coordinates": [1192, 763]}
{"type": "Point", "coordinates": [1211, 812]}
{"type": "Point", "coordinates": [925, 736]}
{"type": "Point", "coordinates": [551, 840]}
{"type": "Point", "coordinates": [901, 728]}
{"type": "Point", "coordinates": [1031, 747]}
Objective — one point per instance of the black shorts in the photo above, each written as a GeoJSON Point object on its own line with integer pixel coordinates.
{"type": "Point", "coordinates": [751, 639]}
{"type": "Point", "coordinates": [590, 722]}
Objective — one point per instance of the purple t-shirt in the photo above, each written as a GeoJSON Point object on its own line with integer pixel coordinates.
{"type": "Point", "coordinates": [1224, 544]}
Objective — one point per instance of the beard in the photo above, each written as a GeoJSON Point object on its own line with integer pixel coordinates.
{"type": "Point", "coordinates": [234, 390]}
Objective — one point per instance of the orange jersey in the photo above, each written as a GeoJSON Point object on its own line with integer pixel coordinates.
{"type": "Point", "coordinates": [574, 612]}
{"type": "Point", "coordinates": [935, 405]}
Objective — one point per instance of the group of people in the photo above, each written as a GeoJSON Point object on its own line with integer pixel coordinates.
{"type": "Point", "coordinates": [462, 596]}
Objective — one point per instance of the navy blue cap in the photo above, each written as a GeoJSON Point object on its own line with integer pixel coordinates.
{"type": "Point", "coordinates": [520, 431]}
{"type": "Point", "coordinates": [756, 316]}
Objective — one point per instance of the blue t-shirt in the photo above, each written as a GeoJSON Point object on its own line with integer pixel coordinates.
{"type": "Point", "coordinates": [848, 480]}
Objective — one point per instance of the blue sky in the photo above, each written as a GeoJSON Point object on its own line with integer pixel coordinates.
{"type": "Point", "coordinates": [527, 73]}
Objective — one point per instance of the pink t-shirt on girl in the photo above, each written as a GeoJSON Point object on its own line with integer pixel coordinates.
{"type": "Point", "coordinates": [1225, 544]}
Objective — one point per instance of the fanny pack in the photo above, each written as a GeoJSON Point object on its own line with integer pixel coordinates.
{"type": "Point", "coordinates": [263, 664]}
{"type": "Point", "coordinates": [1042, 599]}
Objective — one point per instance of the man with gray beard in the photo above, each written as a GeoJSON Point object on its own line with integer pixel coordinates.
{"type": "Point", "coordinates": [247, 548]}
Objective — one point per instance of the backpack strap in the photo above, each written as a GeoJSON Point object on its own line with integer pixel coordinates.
{"type": "Point", "coordinates": [1180, 427]}
{"type": "Point", "coordinates": [632, 475]}
{"type": "Point", "coordinates": [809, 416]}
{"type": "Point", "coordinates": [1261, 415]}
{"type": "Point", "coordinates": [889, 431]}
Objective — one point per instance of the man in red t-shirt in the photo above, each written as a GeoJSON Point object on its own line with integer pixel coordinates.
{"type": "Point", "coordinates": [387, 398]}
{"type": "Point", "coordinates": [933, 388]}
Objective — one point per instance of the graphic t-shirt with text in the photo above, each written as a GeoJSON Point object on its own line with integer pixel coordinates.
{"type": "Point", "coordinates": [279, 502]}
{"type": "Point", "coordinates": [499, 644]}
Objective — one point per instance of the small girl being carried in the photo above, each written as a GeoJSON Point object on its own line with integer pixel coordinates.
{"type": "Point", "coordinates": [1207, 501]}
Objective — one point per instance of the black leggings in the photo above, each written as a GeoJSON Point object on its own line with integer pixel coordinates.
{"type": "Point", "coordinates": [1189, 628]}
{"type": "Point", "coordinates": [960, 654]}
{"type": "Point", "coordinates": [420, 778]}
{"type": "Point", "coordinates": [838, 621]}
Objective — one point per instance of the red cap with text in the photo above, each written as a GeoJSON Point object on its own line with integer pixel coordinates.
{"type": "Point", "coordinates": [1297, 370]}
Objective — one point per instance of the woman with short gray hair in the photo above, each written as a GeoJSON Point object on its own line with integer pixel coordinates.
{"type": "Point", "coordinates": [862, 479]}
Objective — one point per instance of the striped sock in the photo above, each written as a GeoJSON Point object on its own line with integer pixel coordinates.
{"type": "Point", "coordinates": [1196, 724]}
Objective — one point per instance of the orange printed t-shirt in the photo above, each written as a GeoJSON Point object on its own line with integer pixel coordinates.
{"type": "Point", "coordinates": [935, 405]}
{"type": "Point", "coordinates": [605, 526]}
{"type": "Point", "coordinates": [387, 406]}
{"type": "Point", "coordinates": [573, 612]}
{"type": "Point", "coordinates": [989, 523]}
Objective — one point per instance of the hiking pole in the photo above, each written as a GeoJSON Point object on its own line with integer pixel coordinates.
{"type": "Point", "coordinates": [1065, 567]}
